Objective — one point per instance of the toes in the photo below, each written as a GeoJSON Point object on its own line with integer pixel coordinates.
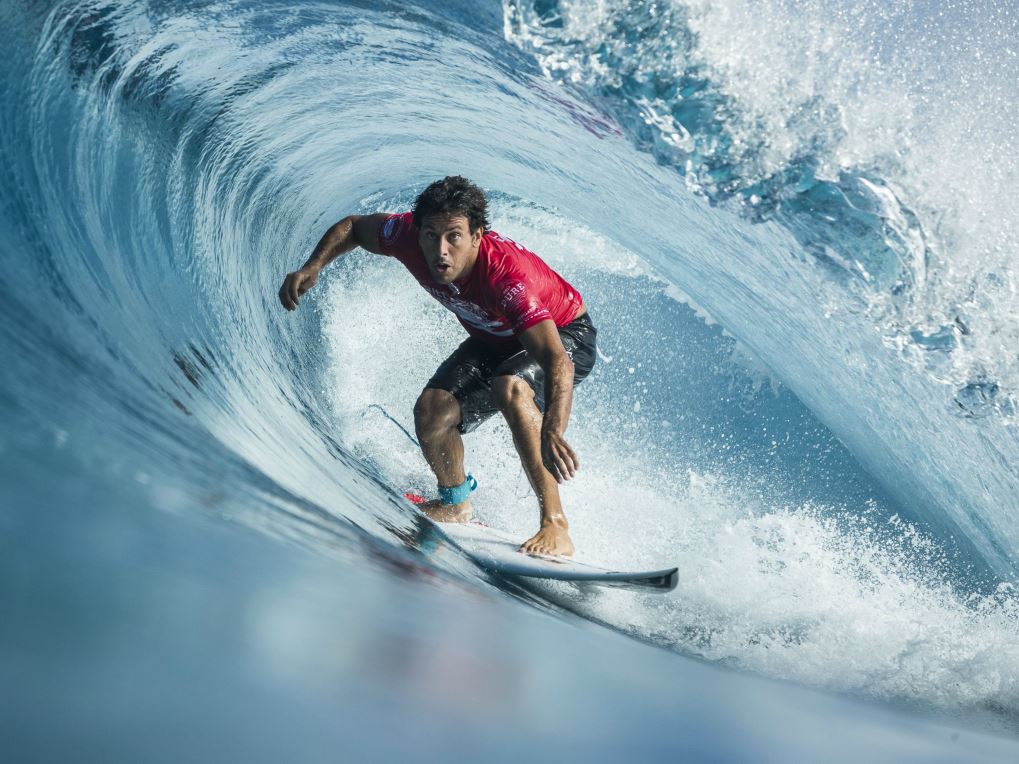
{"type": "Point", "coordinates": [530, 547]}
{"type": "Point", "coordinates": [543, 547]}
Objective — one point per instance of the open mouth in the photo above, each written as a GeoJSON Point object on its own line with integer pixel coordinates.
{"type": "Point", "coordinates": [443, 269]}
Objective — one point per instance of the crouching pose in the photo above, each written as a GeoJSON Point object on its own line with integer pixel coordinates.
{"type": "Point", "coordinates": [531, 341]}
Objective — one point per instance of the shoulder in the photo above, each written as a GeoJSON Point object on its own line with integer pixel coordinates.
{"type": "Point", "coordinates": [507, 276]}
{"type": "Point", "coordinates": [499, 244]}
{"type": "Point", "coordinates": [503, 256]}
{"type": "Point", "coordinates": [396, 233]}
{"type": "Point", "coordinates": [496, 260]}
{"type": "Point", "coordinates": [396, 226]}
{"type": "Point", "coordinates": [509, 261]}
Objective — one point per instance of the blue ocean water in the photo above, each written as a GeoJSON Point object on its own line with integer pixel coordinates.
{"type": "Point", "coordinates": [793, 225]}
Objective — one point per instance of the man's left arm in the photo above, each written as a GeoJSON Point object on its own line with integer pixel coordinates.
{"type": "Point", "coordinates": [543, 344]}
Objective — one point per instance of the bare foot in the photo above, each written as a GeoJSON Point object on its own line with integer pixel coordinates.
{"type": "Point", "coordinates": [550, 540]}
{"type": "Point", "coordinates": [447, 513]}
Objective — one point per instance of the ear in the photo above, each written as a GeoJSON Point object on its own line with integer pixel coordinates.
{"type": "Point", "coordinates": [476, 235]}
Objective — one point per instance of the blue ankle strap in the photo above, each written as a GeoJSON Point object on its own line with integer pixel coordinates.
{"type": "Point", "coordinates": [458, 493]}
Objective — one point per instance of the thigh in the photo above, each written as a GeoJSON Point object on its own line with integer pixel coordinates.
{"type": "Point", "coordinates": [467, 374]}
{"type": "Point", "coordinates": [579, 338]}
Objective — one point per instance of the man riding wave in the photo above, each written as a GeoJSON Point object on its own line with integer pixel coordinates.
{"type": "Point", "coordinates": [531, 341]}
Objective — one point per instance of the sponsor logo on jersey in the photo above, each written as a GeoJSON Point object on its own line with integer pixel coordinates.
{"type": "Point", "coordinates": [511, 295]}
{"type": "Point", "coordinates": [471, 313]}
{"type": "Point", "coordinates": [533, 313]}
{"type": "Point", "coordinates": [391, 228]}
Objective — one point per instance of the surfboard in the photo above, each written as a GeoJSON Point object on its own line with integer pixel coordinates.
{"type": "Point", "coordinates": [498, 552]}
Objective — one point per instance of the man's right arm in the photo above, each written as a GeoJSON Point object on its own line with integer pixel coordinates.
{"type": "Point", "coordinates": [352, 231]}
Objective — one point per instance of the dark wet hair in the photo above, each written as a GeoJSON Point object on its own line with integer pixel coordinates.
{"type": "Point", "coordinates": [453, 195]}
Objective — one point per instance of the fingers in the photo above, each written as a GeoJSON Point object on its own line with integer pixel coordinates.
{"type": "Point", "coordinates": [552, 466]}
{"type": "Point", "coordinates": [295, 285]}
{"type": "Point", "coordinates": [570, 461]}
{"type": "Point", "coordinates": [287, 293]}
{"type": "Point", "coordinates": [559, 472]}
{"type": "Point", "coordinates": [561, 461]}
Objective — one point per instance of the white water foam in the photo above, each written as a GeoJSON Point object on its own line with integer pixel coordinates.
{"type": "Point", "coordinates": [919, 95]}
{"type": "Point", "coordinates": [850, 599]}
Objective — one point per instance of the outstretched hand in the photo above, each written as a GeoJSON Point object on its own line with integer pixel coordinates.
{"type": "Point", "coordinates": [295, 285]}
{"type": "Point", "coordinates": [558, 457]}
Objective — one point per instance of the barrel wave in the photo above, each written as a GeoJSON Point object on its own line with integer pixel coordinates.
{"type": "Point", "coordinates": [799, 253]}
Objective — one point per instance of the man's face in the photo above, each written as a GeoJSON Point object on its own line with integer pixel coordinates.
{"type": "Point", "coordinates": [449, 246]}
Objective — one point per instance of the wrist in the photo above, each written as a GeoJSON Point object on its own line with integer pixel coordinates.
{"type": "Point", "coordinates": [550, 428]}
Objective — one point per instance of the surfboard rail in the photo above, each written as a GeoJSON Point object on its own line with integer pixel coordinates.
{"type": "Point", "coordinates": [498, 553]}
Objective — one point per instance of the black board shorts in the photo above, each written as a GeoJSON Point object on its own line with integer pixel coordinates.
{"type": "Point", "coordinates": [468, 373]}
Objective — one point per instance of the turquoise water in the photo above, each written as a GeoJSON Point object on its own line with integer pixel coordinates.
{"type": "Point", "coordinates": [802, 275]}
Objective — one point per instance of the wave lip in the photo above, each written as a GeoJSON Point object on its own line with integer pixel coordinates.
{"type": "Point", "coordinates": [864, 131]}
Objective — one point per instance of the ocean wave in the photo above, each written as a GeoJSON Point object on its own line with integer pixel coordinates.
{"type": "Point", "coordinates": [866, 131]}
{"type": "Point", "coordinates": [166, 166]}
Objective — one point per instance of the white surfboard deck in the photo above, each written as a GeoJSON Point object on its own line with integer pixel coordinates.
{"type": "Point", "coordinates": [497, 552]}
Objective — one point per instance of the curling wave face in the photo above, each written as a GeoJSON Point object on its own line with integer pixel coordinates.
{"type": "Point", "coordinates": [879, 139]}
{"type": "Point", "coordinates": [163, 168]}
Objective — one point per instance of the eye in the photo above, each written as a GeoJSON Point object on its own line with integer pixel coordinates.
{"type": "Point", "coordinates": [455, 235]}
{"type": "Point", "coordinates": [429, 235]}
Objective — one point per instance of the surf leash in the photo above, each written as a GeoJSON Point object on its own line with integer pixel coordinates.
{"type": "Point", "coordinates": [392, 419]}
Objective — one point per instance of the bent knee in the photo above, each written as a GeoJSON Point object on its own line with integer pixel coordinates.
{"type": "Point", "coordinates": [511, 391]}
{"type": "Point", "coordinates": [436, 410]}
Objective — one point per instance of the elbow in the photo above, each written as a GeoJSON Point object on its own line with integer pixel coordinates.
{"type": "Point", "coordinates": [349, 224]}
{"type": "Point", "coordinates": [344, 234]}
{"type": "Point", "coordinates": [346, 226]}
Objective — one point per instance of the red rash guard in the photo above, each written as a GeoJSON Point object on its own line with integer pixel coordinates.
{"type": "Point", "coordinates": [509, 290]}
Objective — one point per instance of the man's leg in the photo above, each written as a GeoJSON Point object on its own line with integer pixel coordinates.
{"type": "Point", "coordinates": [516, 401]}
{"type": "Point", "coordinates": [436, 416]}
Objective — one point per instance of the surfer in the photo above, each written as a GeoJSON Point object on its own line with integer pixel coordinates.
{"type": "Point", "coordinates": [531, 341]}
